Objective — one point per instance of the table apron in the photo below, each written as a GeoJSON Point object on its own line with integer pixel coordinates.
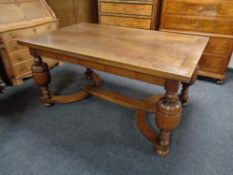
{"type": "Point", "coordinates": [105, 68]}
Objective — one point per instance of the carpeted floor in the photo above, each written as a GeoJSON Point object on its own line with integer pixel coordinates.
{"type": "Point", "coordinates": [95, 137]}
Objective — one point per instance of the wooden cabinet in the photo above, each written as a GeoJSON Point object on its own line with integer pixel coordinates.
{"type": "Point", "coordinates": [136, 14]}
{"type": "Point", "coordinates": [22, 18]}
{"type": "Point", "coordinates": [74, 11]}
{"type": "Point", "coordinates": [212, 18]}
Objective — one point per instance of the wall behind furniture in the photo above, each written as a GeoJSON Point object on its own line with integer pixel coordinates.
{"type": "Point", "coordinates": [74, 11]}
{"type": "Point", "coordinates": [231, 62]}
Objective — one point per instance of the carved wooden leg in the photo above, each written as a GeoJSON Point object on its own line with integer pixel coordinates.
{"type": "Point", "coordinates": [41, 76]}
{"type": "Point", "coordinates": [168, 114]}
{"type": "Point", "coordinates": [184, 96]}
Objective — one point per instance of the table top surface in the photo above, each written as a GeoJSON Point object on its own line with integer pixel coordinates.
{"type": "Point", "coordinates": [165, 55]}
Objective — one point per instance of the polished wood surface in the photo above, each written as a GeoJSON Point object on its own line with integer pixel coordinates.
{"type": "Point", "coordinates": [74, 11]}
{"type": "Point", "coordinates": [128, 13]}
{"type": "Point", "coordinates": [154, 53]}
{"type": "Point", "coordinates": [213, 18]}
{"type": "Point", "coordinates": [22, 19]}
{"type": "Point", "coordinates": [160, 58]}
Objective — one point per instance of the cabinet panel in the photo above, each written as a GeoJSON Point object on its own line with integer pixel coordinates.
{"type": "Point", "coordinates": [200, 8]}
{"type": "Point", "coordinates": [200, 25]}
{"type": "Point", "coordinates": [20, 56]}
{"type": "Point", "coordinates": [220, 46]}
{"type": "Point", "coordinates": [130, 13]}
{"type": "Point", "coordinates": [27, 32]}
{"type": "Point", "coordinates": [126, 22]}
{"type": "Point", "coordinates": [125, 8]}
{"type": "Point", "coordinates": [211, 63]}
{"type": "Point", "coordinates": [211, 18]}
{"type": "Point", "coordinates": [23, 69]}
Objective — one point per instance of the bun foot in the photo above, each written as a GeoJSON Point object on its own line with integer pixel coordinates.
{"type": "Point", "coordinates": [185, 104]}
{"type": "Point", "coordinates": [220, 81]}
{"type": "Point", "coordinates": [47, 104]}
{"type": "Point", "coordinates": [161, 152]}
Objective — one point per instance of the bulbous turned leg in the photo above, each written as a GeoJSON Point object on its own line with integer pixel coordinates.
{"type": "Point", "coordinates": [41, 76]}
{"type": "Point", "coordinates": [168, 113]}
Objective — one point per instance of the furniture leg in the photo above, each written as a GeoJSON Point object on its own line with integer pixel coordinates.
{"type": "Point", "coordinates": [88, 73]}
{"type": "Point", "coordinates": [168, 114]}
{"type": "Point", "coordinates": [41, 76]}
{"type": "Point", "coordinates": [220, 81]}
{"type": "Point", "coordinates": [184, 96]}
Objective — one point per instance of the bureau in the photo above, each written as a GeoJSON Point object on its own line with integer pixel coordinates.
{"type": "Point", "coordinates": [22, 18]}
{"type": "Point", "coordinates": [142, 14]}
{"type": "Point", "coordinates": [212, 18]}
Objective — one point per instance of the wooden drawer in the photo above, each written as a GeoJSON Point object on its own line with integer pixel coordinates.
{"type": "Point", "coordinates": [220, 46]}
{"type": "Point", "coordinates": [23, 69]}
{"type": "Point", "coordinates": [209, 8]}
{"type": "Point", "coordinates": [20, 56]}
{"type": "Point", "coordinates": [195, 24]}
{"type": "Point", "coordinates": [126, 8]}
{"type": "Point", "coordinates": [140, 23]}
{"type": "Point", "coordinates": [13, 46]}
{"type": "Point", "coordinates": [28, 32]}
{"type": "Point", "coordinates": [211, 63]}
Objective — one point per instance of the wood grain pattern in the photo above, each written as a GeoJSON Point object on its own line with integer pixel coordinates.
{"type": "Point", "coordinates": [130, 53]}
{"type": "Point", "coordinates": [140, 23]}
{"type": "Point", "coordinates": [135, 14]}
{"type": "Point", "coordinates": [74, 11]}
{"type": "Point", "coordinates": [207, 8]}
{"type": "Point", "coordinates": [131, 9]}
{"type": "Point", "coordinates": [213, 18]}
{"type": "Point", "coordinates": [199, 25]}
{"type": "Point", "coordinates": [22, 19]}
{"type": "Point", "coordinates": [144, 51]}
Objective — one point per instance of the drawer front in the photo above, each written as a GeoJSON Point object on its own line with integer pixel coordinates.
{"type": "Point", "coordinates": [214, 64]}
{"type": "Point", "coordinates": [23, 69]}
{"type": "Point", "coordinates": [219, 46]}
{"type": "Point", "coordinates": [200, 25]}
{"type": "Point", "coordinates": [126, 22]}
{"type": "Point", "coordinates": [20, 56]}
{"type": "Point", "coordinates": [126, 8]}
{"type": "Point", "coordinates": [13, 46]}
{"type": "Point", "coordinates": [14, 35]}
{"type": "Point", "coordinates": [209, 8]}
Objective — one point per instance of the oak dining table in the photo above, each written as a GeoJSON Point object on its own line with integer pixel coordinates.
{"type": "Point", "coordinates": [159, 58]}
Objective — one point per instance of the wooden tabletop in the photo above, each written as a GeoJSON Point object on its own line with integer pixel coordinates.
{"type": "Point", "coordinates": [162, 54]}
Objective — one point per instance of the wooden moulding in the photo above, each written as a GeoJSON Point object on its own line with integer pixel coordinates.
{"type": "Point", "coordinates": [101, 67]}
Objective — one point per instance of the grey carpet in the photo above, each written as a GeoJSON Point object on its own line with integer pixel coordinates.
{"type": "Point", "coordinates": [95, 137]}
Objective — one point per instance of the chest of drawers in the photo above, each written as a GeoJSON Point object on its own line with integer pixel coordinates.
{"type": "Point", "coordinates": [22, 18]}
{"type": "Point", "coordinates": [212, 18]}
{"type": "Point", "coordinates": [142, 14]}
